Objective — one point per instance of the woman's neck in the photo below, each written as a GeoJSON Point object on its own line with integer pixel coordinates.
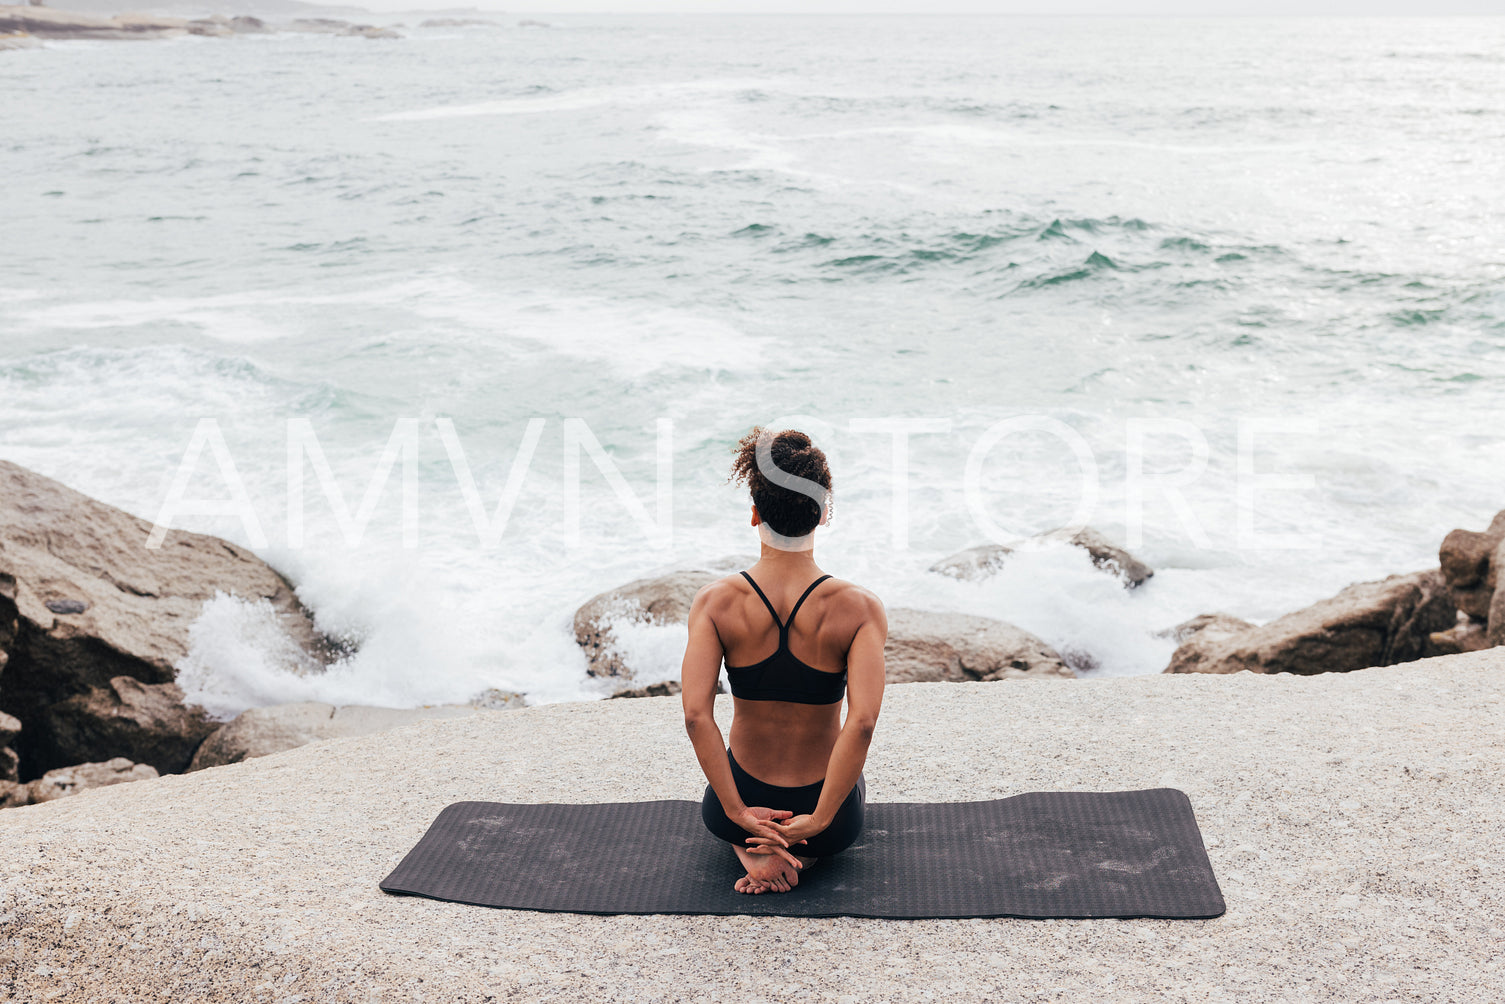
{"type": "Point", "coordinates": [786, 560]}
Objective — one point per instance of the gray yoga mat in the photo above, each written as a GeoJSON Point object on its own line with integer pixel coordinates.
{"type": "Point", "coordinates": [1043, 854]}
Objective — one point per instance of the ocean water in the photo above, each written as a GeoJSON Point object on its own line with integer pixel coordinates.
{"type": "Point", "coordinates": [1267, 249]}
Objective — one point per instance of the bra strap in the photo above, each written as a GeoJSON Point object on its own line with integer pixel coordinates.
{"type": "Point", "coordinates": [801, 600]}
{"type": "Point", "coordinates": [772, 612]}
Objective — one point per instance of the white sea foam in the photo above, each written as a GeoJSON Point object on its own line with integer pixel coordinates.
{"type": "Point", "coordinates": [583, 98]}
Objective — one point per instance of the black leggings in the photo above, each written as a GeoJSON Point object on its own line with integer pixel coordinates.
{"type": "Point", "coordinates": [843, 831]}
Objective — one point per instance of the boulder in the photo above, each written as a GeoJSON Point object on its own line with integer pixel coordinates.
{"type": "Point", "coordinates": [261, 731]}
{"type": "Point", "coordinates": [245, 24]}
{"type": "Point", "coordinates": [976, 563]}
{"type": "Point", "coordinates": [1368, 624]}
{"type": "Point", "coordinates": [65, 781]}
{"type": "Point", "coordinates": [13, 794]}
{"type": "Point", "coordinates": [1471, 568]}
{"type": "Point", "coordinates": [213, 27]}
{"type": "Point", "coordinates": [925, 647]}
{"type": "Point", "coordinates": [84, 602]}
{"type": "Point", "coordinates": [1207, 626]}
{"type": "Point", "coordinates": [662, 599]}
{"type": "Point", "coordinates": [146, 722]}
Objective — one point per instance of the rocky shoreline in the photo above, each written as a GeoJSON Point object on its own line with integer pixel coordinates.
{"type": "Point", "coordinates": [93, 626]}
{"type": "Point", "coordinates": [23, 27]}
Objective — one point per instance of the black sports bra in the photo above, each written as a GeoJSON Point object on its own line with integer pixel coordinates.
{"type": "Point", "coordinates": [782, 677]}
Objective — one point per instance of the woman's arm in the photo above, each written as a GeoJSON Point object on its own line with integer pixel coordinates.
{"type": "Point", "coordinates": [698, 674]}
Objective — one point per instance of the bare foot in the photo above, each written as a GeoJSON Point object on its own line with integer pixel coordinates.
{"type": "Point", "coordinates": [766, 873]}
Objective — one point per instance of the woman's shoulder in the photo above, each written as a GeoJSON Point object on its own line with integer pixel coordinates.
{"type": "Point", "coordinates": [851, 605]}
{"type": "Point", "coordinates": [717, 592]}
{"type": "Point", "coordinates": [848, 592]}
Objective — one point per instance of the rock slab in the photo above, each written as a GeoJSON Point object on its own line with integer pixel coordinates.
{"type": "Point", "coordinates": [1353, 820]}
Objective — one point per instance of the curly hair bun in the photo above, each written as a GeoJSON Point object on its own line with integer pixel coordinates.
{"type": "Point", "coordinates": [786, 510]}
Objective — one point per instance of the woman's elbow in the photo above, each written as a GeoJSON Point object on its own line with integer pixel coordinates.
{"type": "Point", "coordinates": [862, 725]}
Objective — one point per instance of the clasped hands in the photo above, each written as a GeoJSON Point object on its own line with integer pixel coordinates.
{"type": "Point", "coordinates": [774, 831]}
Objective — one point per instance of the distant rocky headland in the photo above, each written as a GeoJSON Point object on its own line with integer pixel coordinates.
{"type": "Point", "coordinates": [93, 626]}
{"type": "Point", "coordinates": [26, 26]}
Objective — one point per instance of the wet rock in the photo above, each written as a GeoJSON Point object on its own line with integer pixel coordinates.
{"type": "Point", "coordinates": [245, 24]}
{"type": "Point", "coordinates": [1471, 568]}
{"type": "Point", "coordinates": [1368, 624]}
{"type": "Point", "coordinates": [217, 26]}
{"type": "Point", "coordinates": [146, 722]}
{"type": "Point", "coordinates": [661, 600]}
{"type": "Point", "coordinates": [976, 563]}
{"type": "Point", "coordinates": [61, 549]}
{"type": "Point", "coordinates": [1212, 624]}
{"type": "Point", "coordinates": [1468, 635]}
{"type": "Point", "coordinates": [9, 761]}
{"type": "Point", "coordinates": [65, 781]}
{"type": "Point", "coordinates": [13, 794]}
{"type": "Point", "coordinates": [1496, 632]}
{"type": "Point", "coordinates": [924, 646]}
{"type": "Point", "coordinates": [667, 688]}
{"type": "Point", "coordinates": [262, 731]}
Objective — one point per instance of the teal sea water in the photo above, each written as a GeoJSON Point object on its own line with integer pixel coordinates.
{"type": "Point", "coordinates": [1224, 224]}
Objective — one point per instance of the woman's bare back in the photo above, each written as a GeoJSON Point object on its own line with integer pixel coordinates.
{"type": "Point", "coordinates": [783, 742]}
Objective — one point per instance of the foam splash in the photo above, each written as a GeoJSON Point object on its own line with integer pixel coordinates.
{"type": "Point", "coordinates": [1053, 591]}
{"type": "Point", "coordinates": [240, 657]}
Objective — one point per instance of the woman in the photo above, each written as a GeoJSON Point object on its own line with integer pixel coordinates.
{"type": "Point", "coordinates": [789, 788]}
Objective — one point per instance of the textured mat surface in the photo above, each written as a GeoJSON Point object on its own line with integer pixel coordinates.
{"type": "Point", "coordinates": [1043, 854]}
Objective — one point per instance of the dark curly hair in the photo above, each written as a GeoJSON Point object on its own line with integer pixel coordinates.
{"type": "Point", "coordinates": [785, 510]}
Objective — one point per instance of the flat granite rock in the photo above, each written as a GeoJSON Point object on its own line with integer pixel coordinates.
{"type": "Point", "coordinates": [1353, 821]}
